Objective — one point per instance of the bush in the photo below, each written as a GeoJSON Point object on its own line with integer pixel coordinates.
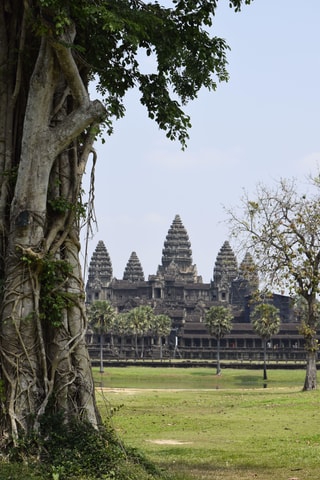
{"type": "Point", "coordinates": [75, 451]}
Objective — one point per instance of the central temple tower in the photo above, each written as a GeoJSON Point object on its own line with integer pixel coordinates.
{"type": "Point", "coordinates": [177, 255]}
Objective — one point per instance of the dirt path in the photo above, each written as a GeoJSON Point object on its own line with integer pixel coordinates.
{"type": "Point", "coordinates": [134, 391]}
{"type": "Point", "coordinates": [169, 442]}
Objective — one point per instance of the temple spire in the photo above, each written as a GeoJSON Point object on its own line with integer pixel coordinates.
{"type": "Point", "coordinates": [177, 254]}
{"type": "Point", "coordinates": [133, 271]}
{"type": "Point", "coordinates": [226, 268]}
{"type": "Point", "coordinates": [100, 270]}
{"type": "Point", "coordinates": [224, 273]}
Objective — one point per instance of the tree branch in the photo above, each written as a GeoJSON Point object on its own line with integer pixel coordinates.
{"type": "Point", "coordinates": [19, 64]}
{"type": "Point", "coordinates": [75, 124]}
{"type": "Point", "coordinates": [69, 67]}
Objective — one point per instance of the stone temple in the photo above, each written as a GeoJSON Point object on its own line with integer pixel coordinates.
{"type": "Point", "coordinates": [178, 291]}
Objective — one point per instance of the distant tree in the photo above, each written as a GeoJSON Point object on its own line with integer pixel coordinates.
{"type": "Point", "coordinates": [102, 316]}
{"type": "Point", "coordinates": [265, 320]}
{"type": "Point", "coordinates": [120, 327]}
{"type": "Point", "coordinates": [218, 320]}
{"type": "Point", "coordinates": [280, 226]}
{"type": "Point", "coordinates": [139, 323]}
{"type": "Point", "coordinates": [161, 327]}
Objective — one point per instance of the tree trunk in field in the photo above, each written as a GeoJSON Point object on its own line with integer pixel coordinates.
{"type": "Point", "coordinates": [43, 360]}
{"type": "Point", "coordinates": [310, 382]}
{"type": "Point", "coordinates": [121, 345]}
{"type": "Point", "coordinates": [101, 351]}
{"type": "Point", "coordinates": [309, 331]}
{"type": "Point", "coordinates": [265, 377]}
{"type": "Point", "coordinates": [136, 345]}
{"type": "Point", "coordinates": [218, 356]}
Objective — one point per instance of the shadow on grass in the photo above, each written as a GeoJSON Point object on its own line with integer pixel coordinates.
{"type": "Point", "coordinates": [209, 373]}
{"type": "Point", "coordinates": [207, 471]}
{"type": "Point", "coordinates": [248, 380]}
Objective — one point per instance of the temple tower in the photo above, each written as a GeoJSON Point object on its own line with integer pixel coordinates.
{"type": "Point", "coordinates": [177, 255]}
{"type": "Point", "coordinates": [133, 271]}
{"type": "Point", "coordinates": [224, 273]}
{"type": "Point", "coordinates": [248, 272]}
{"type": "Point", "coordinates": [99, 274]}
{"type": "Point", "coordinates": [247, 282]}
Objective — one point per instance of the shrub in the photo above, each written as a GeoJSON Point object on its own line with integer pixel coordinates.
{"type": "Point", "coordinates": [76, 450]}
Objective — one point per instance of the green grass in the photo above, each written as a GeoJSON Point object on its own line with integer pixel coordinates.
{"type": "Point", "coordinates": [201, 426]}
{"type": "Point", "coordinates": [198, 378]}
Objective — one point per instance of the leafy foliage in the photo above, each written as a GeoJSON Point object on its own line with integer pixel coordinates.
{"type": "Point", "coordinates": [78, 451]}
{"type": "Point", "coordinates": [120, 325]}
{"type": "Point", "coordinates": [218, 320]}
{"type": "Point", "coordinates": [161, 325]}
{"type": "Point", "coordinates": [140, 320]}
{"type": "Point", "coordinates": [309, 333]}
{"type": "Point", "coordinates": [139, 323]}
{"type": "Point", "coordinates": [113, 38]}
{"type": "Point", "coordinates": [102, 315]}
{"type": "Point", "coordinates": [54, 298]}
{"type": "Point", "coordinates": [265, 320]}
{"type": "Point", "coordinates": [53, 277]}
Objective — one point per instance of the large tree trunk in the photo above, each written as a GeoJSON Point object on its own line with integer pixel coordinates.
{"type": "Point", "coordinates": [44, 359]}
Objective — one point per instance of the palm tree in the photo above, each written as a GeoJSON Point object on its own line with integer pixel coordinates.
{"type": "Point", "coordinates": [265, 320]}
{"type": "Point", "coordinates": [218, 320]}
{"type": "Point", "coordinates": [120, 327]}
{"type": "Point", "coordinates": [139, 323]}
{"type": "Point", "coordinates": [161, 327]}
{"type": "Point", "coordinates": [102, 316]}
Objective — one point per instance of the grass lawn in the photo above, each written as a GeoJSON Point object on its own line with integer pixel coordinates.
{"type": "Point", "coordinates": [200, 426]}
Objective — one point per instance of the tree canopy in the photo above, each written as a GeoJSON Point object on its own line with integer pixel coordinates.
{"type": "Point", "coordinates": [218, 321]}
{"type": "Point", "coordinates": [112, 37]}
{"type": "Point", "coordinates": [102, 316]}
{"type": "Point", "coordinates": [265, 320]}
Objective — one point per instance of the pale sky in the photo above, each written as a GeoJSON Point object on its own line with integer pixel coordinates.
{"type": "Point", "coordinates": [261, 125]}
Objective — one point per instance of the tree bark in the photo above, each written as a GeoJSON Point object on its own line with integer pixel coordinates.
{"type": "Point", "coordinates": [42, 363]}
{"type": "Point", "coordinates": [310, 382]}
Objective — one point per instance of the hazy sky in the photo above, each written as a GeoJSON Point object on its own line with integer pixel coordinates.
{"type": "Point", "coordinates": [261, 125]}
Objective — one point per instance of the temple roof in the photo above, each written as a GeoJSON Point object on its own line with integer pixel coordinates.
{"type": "Point", "coordinates": [226, 268]}
{"type": "Point", "coordinates": [133, 271]}
{"type": "Point", "coordinates": [100, 265]}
